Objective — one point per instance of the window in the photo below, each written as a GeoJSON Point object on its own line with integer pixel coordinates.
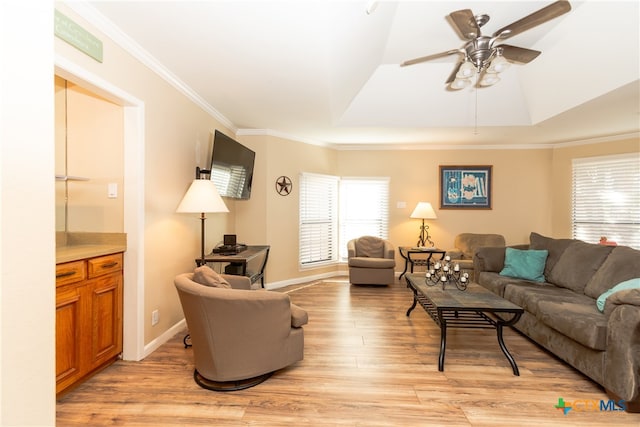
{"type": "Point", "coordinates": [318, 219]}
{"type": "Point", "coordinates": [606, 199]}
{"type": "Point", "coordinates": [364, 209]}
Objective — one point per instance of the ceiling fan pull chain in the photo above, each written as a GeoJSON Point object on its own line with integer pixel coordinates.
{"type": "Point", "coordinates": [475, 129]}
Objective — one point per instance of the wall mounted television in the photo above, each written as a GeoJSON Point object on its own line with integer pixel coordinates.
{"type": "Point", "coordinates": [231, 167]}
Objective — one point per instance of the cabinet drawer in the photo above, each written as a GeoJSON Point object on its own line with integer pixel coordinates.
{"type": "Point", "coordinates": [105, 265]}
{"type": "Point", "coordinates": [70, 272]}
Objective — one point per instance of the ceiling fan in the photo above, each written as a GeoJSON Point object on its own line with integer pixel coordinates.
{"type": "Point", "coordinates": [485, 55]}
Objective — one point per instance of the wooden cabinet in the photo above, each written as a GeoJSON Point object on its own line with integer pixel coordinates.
{"type": "Point", "coordinates": [88, 317]}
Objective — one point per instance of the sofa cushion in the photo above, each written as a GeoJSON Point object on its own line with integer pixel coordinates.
{"type": "Point", "coordinates": [207, 277]}
{"type": "Point", "coordinates": [525, 264]}
{"type": "Point", "coordinates": [528, 294]}
{"type": "Point", "coordinates": [579, 321]}
{"type": "Point", "coordinates": [577, 265]}
{"type": "Point", "coordinates": [622, 264]}
{"type": "Point", "coordinates": [555, 247]}
{"type": "Point", "coordinates": [496, 283]}
{"type": "Point", "coordinates": [572, 314]}
{"type": "Point", "coordinates": [364, 262]}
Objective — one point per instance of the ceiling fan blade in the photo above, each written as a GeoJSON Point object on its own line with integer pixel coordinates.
{"type": "Point", "coordinates": [465, 24]}
{"type": "Point", "coordinates": [429, 57]}
{"type": "Point", "coordinates": [533, 20]}
{"type": "Point", "coordinates": [517, 54]}
{"type": "Point", "coordinates": [452, 76]}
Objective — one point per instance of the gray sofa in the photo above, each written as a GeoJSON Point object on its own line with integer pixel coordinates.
{"type": "Point", "coordinates": [561, 313]}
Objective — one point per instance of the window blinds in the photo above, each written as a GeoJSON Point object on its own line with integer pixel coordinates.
{"type": "Point", "coordinates": [318, 219]}
{"type": "Point", "coordinates": [606, 199]}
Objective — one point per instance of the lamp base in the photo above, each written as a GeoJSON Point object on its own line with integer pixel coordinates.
{"type": "Point", "coordinates": [424, 236]}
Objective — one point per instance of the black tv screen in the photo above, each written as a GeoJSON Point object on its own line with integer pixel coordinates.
{"type": "Point", "coordinates": [231, 167]}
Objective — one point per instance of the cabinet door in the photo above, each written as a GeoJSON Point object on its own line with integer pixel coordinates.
{"type": "Point", "coordinates": [106, 318]}
{"type": "Point", "coordinates": [69, 313]}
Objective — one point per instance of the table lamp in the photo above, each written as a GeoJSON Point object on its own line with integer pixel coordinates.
{"type": "Point", "coordinates": [423, 211]}
{"type": "Point", "coordinates": [201, 197]}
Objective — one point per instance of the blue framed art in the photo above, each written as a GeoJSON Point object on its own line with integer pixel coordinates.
{"type": "Point", "coordinates": [465, 187]}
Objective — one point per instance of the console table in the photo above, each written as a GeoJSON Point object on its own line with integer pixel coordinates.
{"type": "Point", "coordinates": [251, 262]}
{"type": "Point", "coordinates": [424, 258]}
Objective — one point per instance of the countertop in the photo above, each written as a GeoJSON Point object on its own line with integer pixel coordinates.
{"type": "Point", "coordinates": [77, 246]}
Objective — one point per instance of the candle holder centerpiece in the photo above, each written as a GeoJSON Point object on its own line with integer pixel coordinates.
{"type": "Point", "coordinates": [445, 272]}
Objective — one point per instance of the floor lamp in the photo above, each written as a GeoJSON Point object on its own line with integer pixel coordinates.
{"type": "Point", "coordinates": [423, 211]}
{"type": "Point", "coordinates": [202, 197]}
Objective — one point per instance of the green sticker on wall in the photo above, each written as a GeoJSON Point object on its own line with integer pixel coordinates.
{"type": "Point", "coordinates": [76, 36]}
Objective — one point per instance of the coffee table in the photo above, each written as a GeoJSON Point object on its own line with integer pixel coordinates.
{"type": "Point", "coordinates": [474, 308]}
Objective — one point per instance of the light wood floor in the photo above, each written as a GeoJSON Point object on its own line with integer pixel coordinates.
{"type": "Point", "coordinates": [366, 364]}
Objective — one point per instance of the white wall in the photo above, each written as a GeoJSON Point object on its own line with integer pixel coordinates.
{"type": "Point", "coordinates": [27, 225]}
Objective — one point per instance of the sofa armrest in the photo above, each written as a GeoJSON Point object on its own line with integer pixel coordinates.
{"type": "Point", "coordinates": [389, 250]}
{"type": "Point", "coordinates": [351, 248]}
{"type": "Point", "coordinates": [489, 259]}
{"type": "Point", "coordinates": [622, 364]}
{"type": "Point", "coordinates": [454, 254]}
{"type": "Point", "coordinates": [626, 297]}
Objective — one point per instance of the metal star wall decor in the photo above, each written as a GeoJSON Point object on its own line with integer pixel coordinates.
{"type": "Point", "coordinates": [284, 185]}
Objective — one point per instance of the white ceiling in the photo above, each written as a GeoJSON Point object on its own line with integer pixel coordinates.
{"type": "Point", "coordinates": [328, 72]}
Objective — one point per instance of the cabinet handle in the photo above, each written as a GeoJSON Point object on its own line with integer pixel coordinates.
{"type": "Point", "coordinates": [66, 274]}
{"type": "Point", "coordinates": [109, 265]}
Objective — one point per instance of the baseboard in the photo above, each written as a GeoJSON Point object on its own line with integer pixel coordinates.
{"type": "Point", "coordinates": [297, 281]}
{"type": "Point", "coordinates": [166, 336]}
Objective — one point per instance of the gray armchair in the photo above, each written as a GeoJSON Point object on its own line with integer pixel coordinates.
{"type": "Point", "coordinates": [371, 261]}
{"type": "Point", "coordinates": [239, 336]}
{"type": "Point", "coordinates": [466, 245]}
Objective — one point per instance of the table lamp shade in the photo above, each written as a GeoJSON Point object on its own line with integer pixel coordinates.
{"type": "Point", "coordinates": [202, 196]}
{"type": "Point", "coordinates": [424, 210]}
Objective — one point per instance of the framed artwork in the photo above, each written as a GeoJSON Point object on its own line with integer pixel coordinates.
{"type": "Point", "coordinates": [465, 187]}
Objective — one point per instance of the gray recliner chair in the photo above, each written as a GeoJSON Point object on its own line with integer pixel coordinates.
{"type": "Point", "coordinates": [466, 245]}
{"type": "Point", "coordinates": [239, 336]}
{"type": "Point", "coordinates": [371, 261]}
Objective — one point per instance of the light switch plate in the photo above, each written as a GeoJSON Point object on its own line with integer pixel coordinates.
{"type": "Point", "coordinates": [112, 190]}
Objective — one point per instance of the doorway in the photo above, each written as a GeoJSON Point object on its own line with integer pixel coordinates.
{"type": "Point", "coordinates": [132, 195]}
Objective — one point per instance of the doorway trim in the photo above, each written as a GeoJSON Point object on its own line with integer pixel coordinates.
{"type": "Point", "coordinates": [134, 168]}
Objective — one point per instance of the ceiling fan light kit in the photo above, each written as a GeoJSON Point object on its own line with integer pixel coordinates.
{"type": "Point", "coordinates": [466, 70]}
{"type": "Point", "coordinates": [483, 56]}
{"type": "Point", "coordinates": [489, 79]}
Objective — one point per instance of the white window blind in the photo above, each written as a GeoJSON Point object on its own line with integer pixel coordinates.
{"type": "Point", "coordinates": [364, 209]}
{"type": "Point", "coordinates": [606, 199]}
{"type": "Point", "coordinates": [318, 219]}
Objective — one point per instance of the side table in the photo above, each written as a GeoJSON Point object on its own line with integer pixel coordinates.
{"type": "Point", "coordinates": [419, 257]}
{"type": "Point", "coordinates": [239, 263]}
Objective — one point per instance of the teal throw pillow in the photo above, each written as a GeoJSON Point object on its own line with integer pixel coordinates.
{"type": "Point", "coordinates": [525, 264]}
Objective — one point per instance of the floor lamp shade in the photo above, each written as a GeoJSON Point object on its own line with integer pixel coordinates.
{"type": "Point", "coordinates": [201, 197]}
